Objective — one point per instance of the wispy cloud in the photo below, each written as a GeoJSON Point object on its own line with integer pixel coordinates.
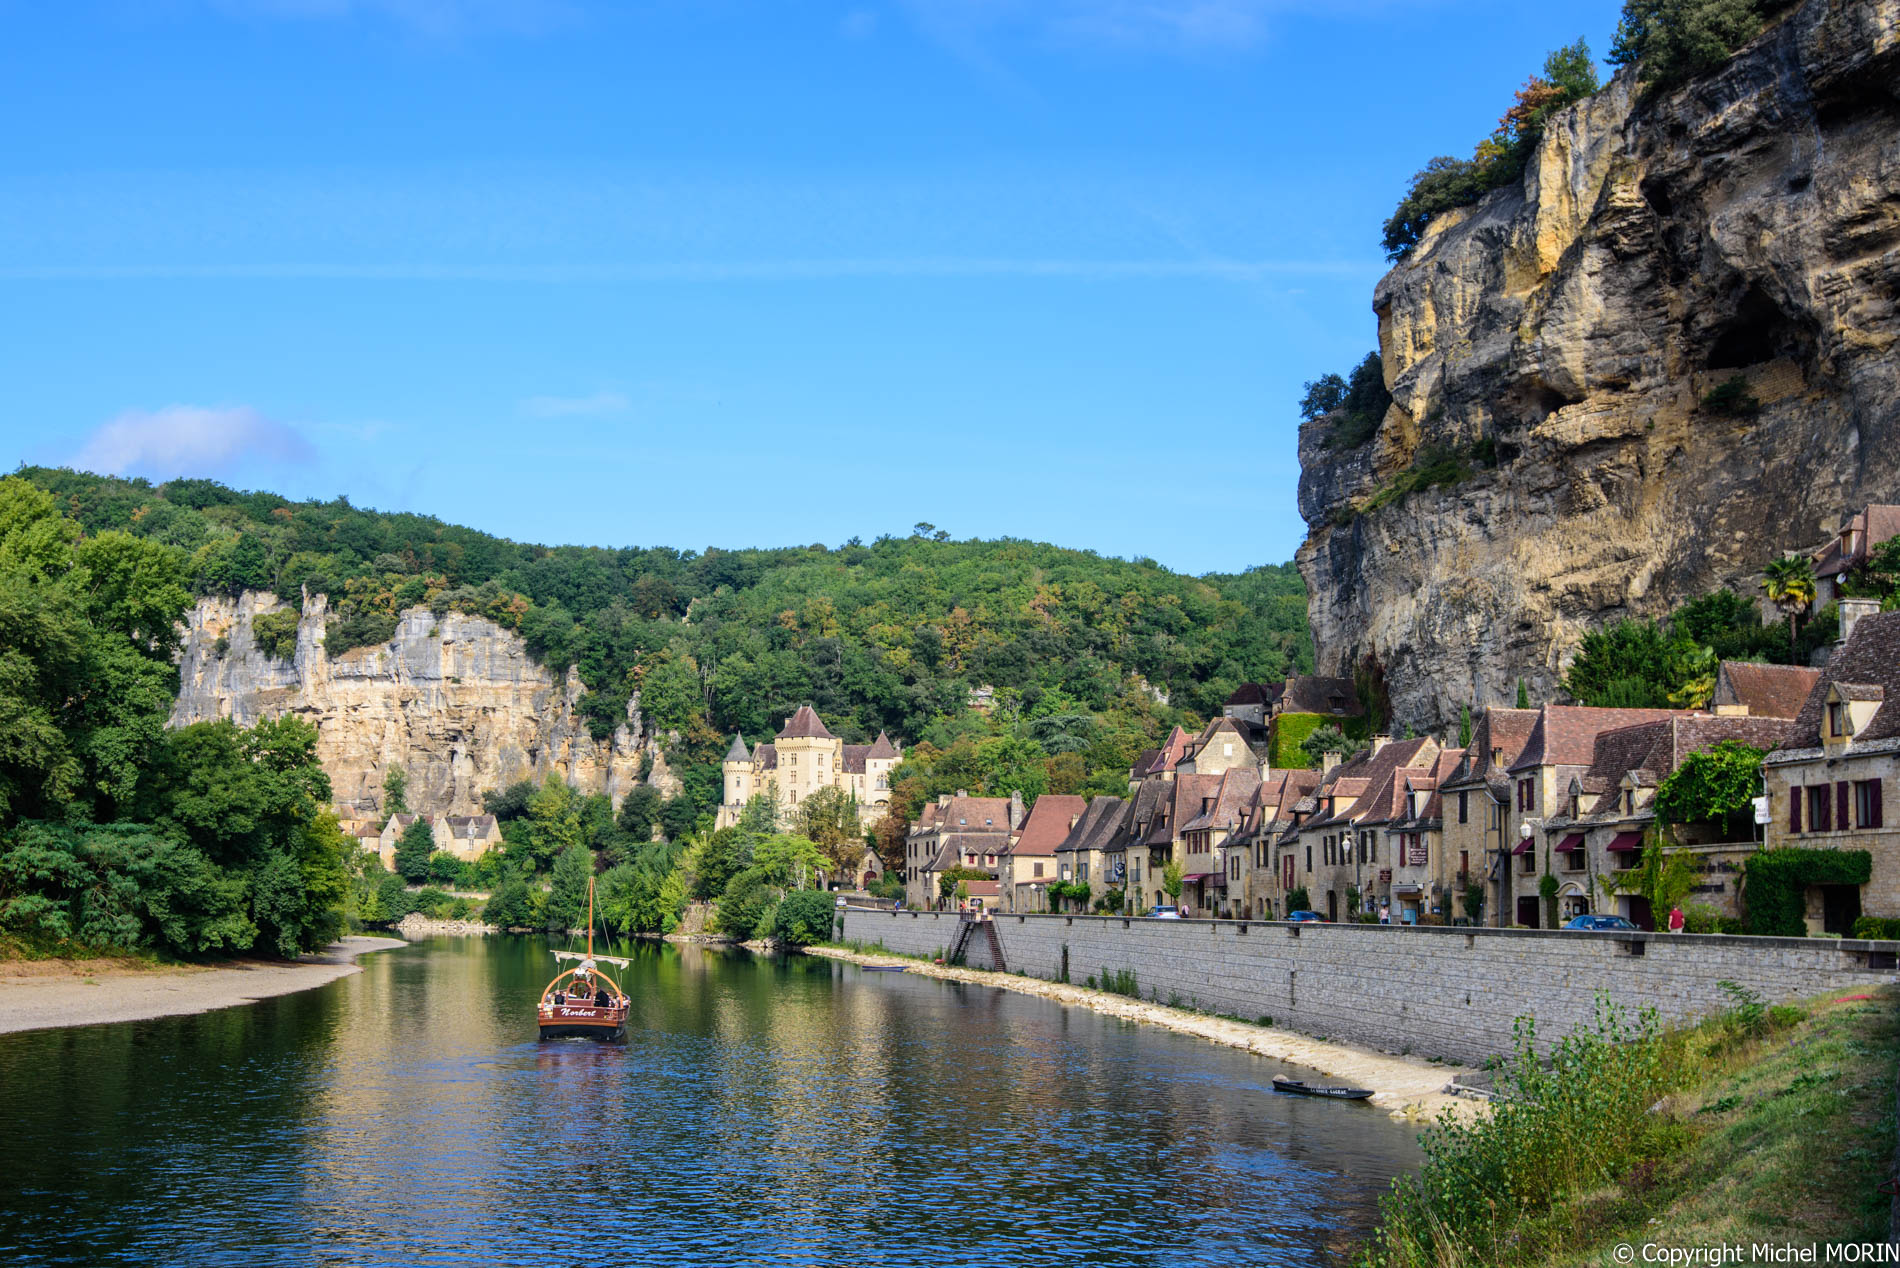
{"type": "Point", "coordinates": [575, 406]}
{"type": "Point", "coordinates": [190, 440]}
{"type": "Point", "coordinates": [429, 17]}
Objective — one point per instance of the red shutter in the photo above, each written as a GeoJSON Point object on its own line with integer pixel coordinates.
{"type": "Point", "coordinates": [1794, 808]}
{"type": "Point", "coordinates": [1876, 806]}
{"type": "Point", "coordinates": [1841, 814]}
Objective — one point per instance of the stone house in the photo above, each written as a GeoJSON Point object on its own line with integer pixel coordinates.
{"type": "Point", "coordinates": [1598, 830]}
{"type": "Point", "coordinates": [1419, 881]}
{"type": "Point", "coordinates": [1340, 844]}
{"type": "Point", "coordinates": [1161, 762]}
{"type": "Point", "coordinates": [1859, 536]}
{"type": "Point", "coordinates": [1094, 850]}
{"type": "Point", "coordinates": [1179, 799]}
{"type": "Point", "coordinates": [1225, 744]}
{"type": "Point", "coordinates": [1268, 813]}
{"type": "Point", "coordinates": [1829, 783]}
{"type": "Point", "coordinates": [1561, 748]}
{"type": "Point", "coordinates": [1218, 874]}
{"type": "Point", "coordinates": [1475, 802]}
{"type": "Point", "coordinates": [956, 831]}
{"type": "Point", "coordinates": [803, 758]}
{"type": "Point", "coordinates": [1253, 702]}
{"type": "Point", "coordinates": [1028, 861]}
{"type": "Point", "coordinates": [467, 837]}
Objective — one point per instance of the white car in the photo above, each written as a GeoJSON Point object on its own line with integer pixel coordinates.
{"type": "Point", "coordinates": [1165, 913]}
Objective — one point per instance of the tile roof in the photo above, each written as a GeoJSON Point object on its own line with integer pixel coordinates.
{"type": "Point", "coordinates": [1769, 691]}
{"type": "Point", "coordinates": [1870, 657]}
{"type": "Point", "coordinates": [1565, 735]}
{"type": "Point", "coordinates": [1155, 760]}
{"type": "Point", "coordinates": [881, 748]}
{"type": "Point", "coordinates": [805, 725]}
{"type": "Point", "coordinates": [1648, 752]}
{"type": "Point", "coordinates": [1048, 823]}
{"type": "Point", "coordinates": [854, 755]}
{"type": "Point", "coordinates": [1236, 788]}
{"type": "Point", "coordinates": [1255, 693]}
{"type": "Point", "coordinates": [766, 756]}
{"type": "Point", "coordinates": [1310, 693]}
{"type": "Point", "coordinates": [738, 753]}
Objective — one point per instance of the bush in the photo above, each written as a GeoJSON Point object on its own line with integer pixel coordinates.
{"type": "Point", "coordinates": [1361, 407]}
{"type": "Point", "coordinates": [1731, 399]}
{"type": "Point", "coordinates": [1289, 735]}
{"type": "Point", "coordinates": [803, 917]}
{"type": "Point", "coordinates": [1881, 928]}
{"type": "Point", "coordinates": [1775, 885]}
{"type": "Point", "coordinates": [1559, 1128]}
{"type": "Point", "coordinates": [446, 869]}
{"type": "Point", "coordinates": [275, 634]}
{"type": "Point", "coordinates": [512, 907]}
{"type": "Point", "coordinates": [358, 629]}
{"type": "Point", "coordinates": [746, 905]}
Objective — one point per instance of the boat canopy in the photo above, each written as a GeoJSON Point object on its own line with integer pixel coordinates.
{"type": "Point", "coordinates": [586, 955]}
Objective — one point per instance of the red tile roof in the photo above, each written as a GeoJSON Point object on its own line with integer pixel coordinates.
{"type": "Point", "coordinates": [1565, 735]}
{"type": "Point", "coordinates": [1769, 691]}
{"type": "Point", "coordinates": [805, 725]}
{"type": "Point", "coordinates": [1870, 657]}
{"type": "Point", "coordinates": [1048, 823]}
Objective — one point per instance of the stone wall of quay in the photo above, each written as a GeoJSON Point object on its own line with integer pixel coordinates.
{"type": "Point", "coordinates": [1432, 991]}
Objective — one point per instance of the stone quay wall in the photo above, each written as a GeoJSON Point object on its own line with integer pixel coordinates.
{"type": "Point", "coordinates": [1432, 991]}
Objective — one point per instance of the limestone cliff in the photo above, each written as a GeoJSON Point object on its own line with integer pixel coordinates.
{"type": "Point", "coordinates": [1746, 223]}
{"type": "Point", "coordinates": [454, 700]}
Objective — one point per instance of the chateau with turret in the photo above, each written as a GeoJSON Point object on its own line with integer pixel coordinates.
{"type": "Point", "coordinates": [803, 758]}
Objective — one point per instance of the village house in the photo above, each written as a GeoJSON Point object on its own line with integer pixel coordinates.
{"type": "Point", "coordinates": [467, 837]}
{"type": "Point", "coordinates": [1028, 863]}
{"type": "Point", "coordinates": [1829, 781]}
{"type": "Point", "coordinates": [1338, 849]}
{"type": "Point", "coordinates": [1561, 748]}
{"type": "Point", "coordinates": [1475, 804]}
{"type": "Point", "coordinates": [803, 758]}
{"type": "Point", "coordinates": [958, 831]}
{"type": "Point", "coordinates": [1223, 745]}
{"type": "Point", "coordinates": [1598, 830]}
{"type": "Point", "coordinates": [1096, 851]}
{"type": "Point", "coordinates": [1269, 812]}
{"type": "Point", "coordinates": [1857, 539]}
{"type": "Point", "coordinates": [1220, 872]}
{"type": "Point", "coordinates": [1418, 881]}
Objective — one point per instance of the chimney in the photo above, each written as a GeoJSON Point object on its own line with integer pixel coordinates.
{"type": "Point", "coordinates": [1851, 612]}
{"type": "Point", "coordinates": [1378, 742]}
{"type": "Point", "coordinates": [1015, 809]}
{"type": "Point", "coordinates": [1329, 759]}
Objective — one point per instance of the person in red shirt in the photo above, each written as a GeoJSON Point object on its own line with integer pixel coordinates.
{"type": "Point", "coordinates": [1675, 920]}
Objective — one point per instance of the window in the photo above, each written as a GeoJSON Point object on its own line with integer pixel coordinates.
{"type": "Point", "coordinates": [1836, 719]}
{"type": "Point", "coordinates": [1464, 808]}
{"type": "Point", "coordinates": [1464, 862]}
{"type": "Point", "coordinates": [1629, 801]}
{"type": "Point", "coordinates": [1820, 812]}
{"type": "Point", "coordinates": [1523, 794]}
{"type": "Point", "coordinates": [1867, 804]}
{"type": "Point", "coordinates": [1309, 858]}
{"type": "Point", "coordinates": [1530, 862]}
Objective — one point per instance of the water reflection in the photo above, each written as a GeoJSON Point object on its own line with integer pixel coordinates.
{"type": "Point", "coordinates": [783, 1111]}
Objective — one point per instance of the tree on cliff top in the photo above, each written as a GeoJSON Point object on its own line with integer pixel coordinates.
{"type": "Point", "coordinates": [395, 791]}
{"type": "Point", "coordinates": [1668, 41]}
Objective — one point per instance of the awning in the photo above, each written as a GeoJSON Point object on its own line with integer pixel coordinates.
{"type": "Point", "coordinates": [1198, 876]}
{"type": "Point", "coordinates": [1570, 843]}
{"type": "Point", "coordinates": [1626, 842]}
{"type": "Point", "coordinates": [1406, 890]}
{"type": "Point", "coordinates": [1524, 846]}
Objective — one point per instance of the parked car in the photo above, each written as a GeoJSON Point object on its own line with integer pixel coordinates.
{"type": "Point", "coordinates": [1599, 922]}
{"type": "Point", "coordinates": [1307, 918]}
{"type": "Point", "coordinates": [1165, 913]}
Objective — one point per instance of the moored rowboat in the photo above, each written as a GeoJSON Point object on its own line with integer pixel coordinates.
{"type": "Point", "coordinates": [1298, 1088]}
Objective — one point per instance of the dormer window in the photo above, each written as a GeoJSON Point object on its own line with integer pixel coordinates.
{"type": "Point", "coordinates": [1837, 719]}
{"type": "Point", "coordinates": [1629, 801]}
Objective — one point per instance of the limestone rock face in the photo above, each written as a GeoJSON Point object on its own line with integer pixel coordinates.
{"type": "Point", "coordinates": [1747, 223]}
{"type": "Point", "coordinates": [454, 700]}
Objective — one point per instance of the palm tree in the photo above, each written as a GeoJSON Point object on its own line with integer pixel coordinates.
{"type": "Point", "coordinates": [1789, 582]}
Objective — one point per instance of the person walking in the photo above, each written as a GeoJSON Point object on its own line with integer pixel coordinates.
{"type": "Point", "coordinates": [1676, 920]}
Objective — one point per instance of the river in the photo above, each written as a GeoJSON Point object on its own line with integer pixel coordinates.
{"type": "Point", "coordinates": [785, 1111]}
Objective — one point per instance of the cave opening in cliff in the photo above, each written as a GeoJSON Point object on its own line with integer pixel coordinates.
{"type": "Point", "coordinates": [1757, 331]}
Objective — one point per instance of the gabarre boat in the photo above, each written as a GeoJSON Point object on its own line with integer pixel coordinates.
{"type": "Point", "coordinates": [583, 1002]}
{"type": "Point", "coordinates": [1297, 1088]}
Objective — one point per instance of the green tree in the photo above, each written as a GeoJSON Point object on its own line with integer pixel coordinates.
{"type": "Point", "coordinates": [804, 917]}
{"type": "Point", "coordinates": [1669, 41]}
{"type": "Point", "coordinates": [1464, 727]}
{"type": "Point", "coordinates": [1717, 785]}
{"type": "Point", "coordinates": [413, 849]}
{"type": "Point", "coordinates": [829, 817]}
{"type": "Point", "coordinates": [395, 791]}
{"type": "Point", "coordinates": [640, 812]}
{"type": "Point", "coordinates": [1171, 880]}
{"type": "Point", "coordinates": [1523, 694]}
{"type": "Point", "coordinates": [567, 889]}
{"type": "Point", "coordinates": [1297, 899]}
{"type": "Point", "coordinates": [1330, 739]}
{"type": "Point", "coordinates": [512, 907]}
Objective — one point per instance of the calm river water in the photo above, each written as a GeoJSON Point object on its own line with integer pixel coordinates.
{"type": "Point", "coordinates": [790, 1111]}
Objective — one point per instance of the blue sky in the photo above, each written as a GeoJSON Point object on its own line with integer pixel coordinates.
{"type": "Point", "coordinates": [713, 272]}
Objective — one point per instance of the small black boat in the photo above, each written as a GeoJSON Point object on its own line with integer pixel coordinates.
{"type": "Point", "coordinates": [883, 968]}
{"type": "Point", "coordinates": [1298, 1088]}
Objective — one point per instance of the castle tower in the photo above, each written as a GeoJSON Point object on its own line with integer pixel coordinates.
{"type": "Point", "coordinates": [810, 757]}
{"type": "Point", "coordinates": [737, 769]}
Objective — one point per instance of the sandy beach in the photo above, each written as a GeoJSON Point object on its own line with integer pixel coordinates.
{"type": "Point", "coordinates": [1406, 1087]}
{"type": "Point", "coordinates": [46, 994]}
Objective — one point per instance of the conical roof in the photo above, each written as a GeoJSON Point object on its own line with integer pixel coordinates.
{"type": "Point", "coordinates": [804, 725]}
{"type": "Point", "coordinates": [737, 753]}
{"type": "Point", "coordinates": [881, 747]}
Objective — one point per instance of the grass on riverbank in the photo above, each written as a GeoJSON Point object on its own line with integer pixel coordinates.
{"type": "Point", "coordinates": [1777, 1126]}
{"type": "Point", "coordinates": [15, 949]}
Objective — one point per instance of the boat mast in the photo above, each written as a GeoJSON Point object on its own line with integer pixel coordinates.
{"type": "Point", "coordinates": [590, 917]}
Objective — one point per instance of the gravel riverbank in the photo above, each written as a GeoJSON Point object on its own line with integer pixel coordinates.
{"type": "Point", "coordinates": [1406, 1087]}
{"type": "Point", "coordinates": [47, 994]}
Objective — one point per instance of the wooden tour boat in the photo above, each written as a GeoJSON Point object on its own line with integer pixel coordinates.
{"type": "Point", "coordinates": [583, 1002]}
{"type": "Point", "coordinates": [1298, 1088]}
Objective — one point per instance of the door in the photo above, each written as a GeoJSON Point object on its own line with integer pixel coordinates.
{"type": "Point", "coordinates": [1639, 913]}
{"type": "Point", "coordinates": [1527, 912]}
{"type": "Point", "coordinates": [1840, 908]}
{"type": "Point", "coordinates": [1332, 905]}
